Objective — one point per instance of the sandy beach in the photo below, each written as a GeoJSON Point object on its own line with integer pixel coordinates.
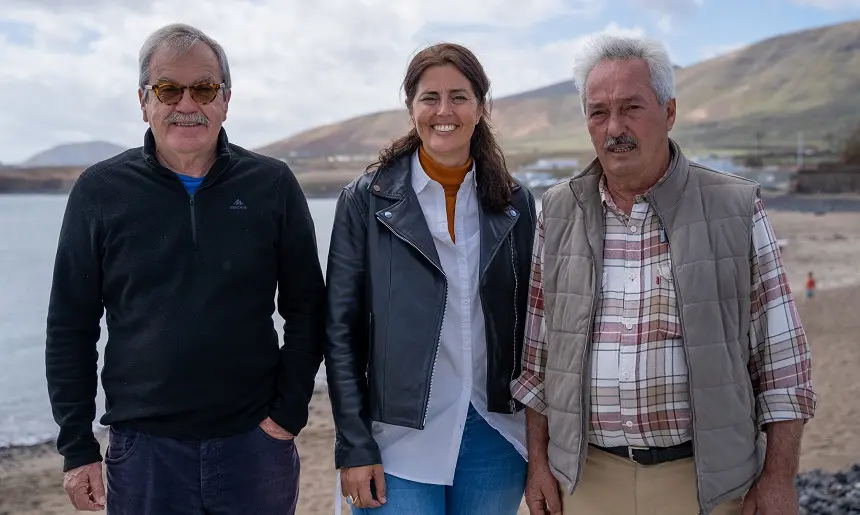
{"type": "Point", "coordinates": [828, 245]}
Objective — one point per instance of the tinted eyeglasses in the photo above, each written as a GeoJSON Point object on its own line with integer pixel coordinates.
{"type": "Point", "coordinates": [170, 94]}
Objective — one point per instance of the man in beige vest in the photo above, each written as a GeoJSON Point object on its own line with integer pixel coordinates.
{"type": "Point", "coordinates": [665, 370]}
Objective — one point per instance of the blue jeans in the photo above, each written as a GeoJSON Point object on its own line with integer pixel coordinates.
{"type": "Point", "coordinates": [490, 479]}
{"type": "Point", "coordinates": [247, 473]}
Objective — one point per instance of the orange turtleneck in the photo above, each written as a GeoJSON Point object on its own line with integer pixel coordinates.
{"type": "Point", "coordinates": [450, 178]}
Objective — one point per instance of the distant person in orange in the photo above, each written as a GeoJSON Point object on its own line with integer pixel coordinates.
{"type": "Point", "coordinates": [810, 286]}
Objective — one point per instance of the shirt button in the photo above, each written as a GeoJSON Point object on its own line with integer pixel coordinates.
{"type": "Point", "coordinates": [632, 276]}
{"type": "Point", "coordinates": [633, 229]}
{"type": "Point", "coordinates": [628, 423]}
{"type": "Point", "coordinates": [626, 375]}
{"type": "Point", "coordinates": [628, 324]}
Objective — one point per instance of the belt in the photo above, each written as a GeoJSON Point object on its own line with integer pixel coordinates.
{"type": "Point", "coordinates": [651, 455]}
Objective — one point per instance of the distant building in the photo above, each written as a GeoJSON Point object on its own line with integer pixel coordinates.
{"type": "Point", "coordinates": [549, 164]}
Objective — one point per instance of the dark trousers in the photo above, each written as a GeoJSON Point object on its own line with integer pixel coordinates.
{"type": "Point", "coordinates": [250, 473]}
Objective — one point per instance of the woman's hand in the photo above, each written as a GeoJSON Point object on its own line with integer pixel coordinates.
{"type": "Point", "coordinates": [355, 483]}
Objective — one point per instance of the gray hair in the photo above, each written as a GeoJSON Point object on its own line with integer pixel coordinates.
{"type": "Point", "coordinates": [179, 38]}
{"type": "Point", "coordinates": [622, 48]}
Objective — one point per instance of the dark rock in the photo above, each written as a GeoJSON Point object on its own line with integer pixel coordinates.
{"type": "Point", "coordinates": [823, 493]}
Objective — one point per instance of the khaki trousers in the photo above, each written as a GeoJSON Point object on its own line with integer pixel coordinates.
{"type": "Point", "coordinates": [612, 485]}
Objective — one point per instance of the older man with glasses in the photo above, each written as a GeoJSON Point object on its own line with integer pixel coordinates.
{"type": "Point", "coordinates": [185, 243]}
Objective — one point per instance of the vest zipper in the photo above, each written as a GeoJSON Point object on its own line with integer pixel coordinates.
{"type": "Point", "coordinates": [680, 301]}
{"type": "Point", "coordinates": [193, 219]}
{"type": "Point", "coordinates": [586, 388]}
{"type": "Point", "coordinates": [442, 321]}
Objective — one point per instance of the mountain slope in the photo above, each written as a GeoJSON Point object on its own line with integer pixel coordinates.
{"type": "Point", "coordinates": [805, 81]}
{"type": "Point", "coordinates": [74, 154]}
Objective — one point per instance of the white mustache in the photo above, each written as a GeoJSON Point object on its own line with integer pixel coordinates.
{"type": "Point", "coordinates": [188, 118]}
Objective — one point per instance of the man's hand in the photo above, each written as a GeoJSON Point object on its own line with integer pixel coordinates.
{"type": "Point", "coordinates": [355, 482]}
{"type": "Point", "coordinates": [542, 494]}
{"type": "Point", "coordinates": [772, 495]}
{"type": "Point", "coordinates": [774, 492]}
{"type": "Point", "coordinates": [277, 432]}
{"type": "Point", "coordinates": [85, 487]}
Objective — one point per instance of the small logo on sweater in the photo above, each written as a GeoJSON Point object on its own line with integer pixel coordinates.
{"type": "Point", "coordinates": [238, 205]}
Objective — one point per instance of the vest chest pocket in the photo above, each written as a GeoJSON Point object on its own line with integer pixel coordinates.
{"type": "Point", "coordinates": [665, 304]}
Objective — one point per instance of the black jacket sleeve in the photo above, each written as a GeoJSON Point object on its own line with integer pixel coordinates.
{"type": "Point", "coordinates": [74, 311]}
{"type": "Point", "coordinates": [347, 329]}
{"type": "Point", "coordinates": [301, 302]}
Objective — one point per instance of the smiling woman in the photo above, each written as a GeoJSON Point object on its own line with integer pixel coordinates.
{"type": "Point", "coordinates": [427, 272]}
{"type": "Point", "coordinates": [447, 95]}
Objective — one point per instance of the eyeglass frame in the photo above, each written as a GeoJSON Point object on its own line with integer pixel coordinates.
{"type": "Point", "coordinates": [154, 88]}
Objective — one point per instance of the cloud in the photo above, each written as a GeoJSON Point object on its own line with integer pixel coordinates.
{"type": "Point", "coordinates": [667, 11]}
{"type": "Point", "coordinates": [830, 4]}
{"type": "Point", "coordinates": [295, 64]}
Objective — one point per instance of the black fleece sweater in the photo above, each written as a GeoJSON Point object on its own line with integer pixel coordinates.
{"type": "Point", "coordinates": [188, 285]}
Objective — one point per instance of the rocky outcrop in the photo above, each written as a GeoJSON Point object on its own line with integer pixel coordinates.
{"type": "Point", "coordinates": [38, 180]}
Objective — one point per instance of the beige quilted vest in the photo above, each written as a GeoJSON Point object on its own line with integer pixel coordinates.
{"type": "Point", "coordinates": [707, 216]}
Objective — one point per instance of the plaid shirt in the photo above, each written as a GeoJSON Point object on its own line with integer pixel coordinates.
{"type": "Point", "coordinates": [639, 391]}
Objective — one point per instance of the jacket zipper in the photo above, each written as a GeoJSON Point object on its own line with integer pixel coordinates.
{"type": "Point", "coordinates": [511, 404]}
{"type": "Point", "coordinates": [435, 354]}
{"type": "Point", "coordinates": [687, 360]}
{"type": "Point", "coordinates": [507, 235]}
{"type": "Point", "coordinates": [444, 310]}
{"type": "Point", "coordinates": [193, 219]}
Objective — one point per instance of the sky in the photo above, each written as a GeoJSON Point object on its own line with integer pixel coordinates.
{"type": "Point", "coordinates": [69, 68]}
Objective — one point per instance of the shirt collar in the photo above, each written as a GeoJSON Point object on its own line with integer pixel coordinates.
{"type": "Point", "coordinates": [420, 179]}
{"type": "Point", "coordinates": [606, 198]}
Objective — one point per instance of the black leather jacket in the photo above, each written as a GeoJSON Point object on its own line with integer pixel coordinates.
{"type": "Point", "coordinates": [386, 302]}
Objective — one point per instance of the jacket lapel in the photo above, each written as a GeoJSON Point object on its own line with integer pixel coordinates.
{"type": "Point", "coordinates": [404, 218]}
{"type": "Point", "coordinates": [495, 228]}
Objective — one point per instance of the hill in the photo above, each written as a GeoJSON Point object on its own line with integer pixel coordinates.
{"type": "Point", "coordinates": [803, 81]}
{"type": "Point", "coordinates": [74, 154]}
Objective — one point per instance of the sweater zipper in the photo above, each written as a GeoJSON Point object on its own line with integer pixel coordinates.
{"type": "Point", "coordinates": [442, 321]}
{"type": "Point", "coordinates": [193, 219]}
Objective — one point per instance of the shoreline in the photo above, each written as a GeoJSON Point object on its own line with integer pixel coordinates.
{"type": "Point", "coordinates": [774, 201]}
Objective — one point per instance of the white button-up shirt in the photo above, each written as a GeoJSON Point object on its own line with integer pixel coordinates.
{"type": "Point", "coordinates": [460, 376]}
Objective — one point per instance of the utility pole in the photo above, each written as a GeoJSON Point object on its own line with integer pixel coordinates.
{"type": "Point", "coordinates": [800, 150]}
